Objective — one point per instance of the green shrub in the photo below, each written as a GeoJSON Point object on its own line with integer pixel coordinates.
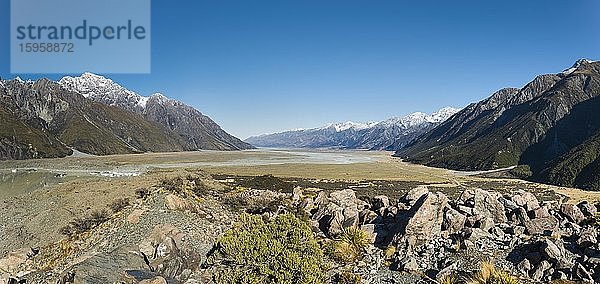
{"type": "Point", "coordinates": [281, 251]}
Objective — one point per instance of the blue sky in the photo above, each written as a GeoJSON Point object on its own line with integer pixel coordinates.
{"type": "Point", "coordinates": [264, 66]}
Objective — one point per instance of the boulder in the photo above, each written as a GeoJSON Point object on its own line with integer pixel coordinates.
{"type": "Point", "coordinates": [540, 271]}
{"type": "Point", "coordinates": [487, 205]}
{"type": "Point", "coordinates": [526, 200]}
{"type": "Point", "coordinates": [412, 196]}
{"type": "Point", "coordinates": [541, 212]}
{"type": "Point", "coordinates": [135, 216]}
{"type": "Point", "coordinates": [551, 250]}
{"type": "Point", "coordinates": [111, 267]}
{"type": "Point", "coordinates": [426, 218]}
{"type": "Point", "coordinates": [524, 266]}
{"type": "Point", "coordinates": [520, 216]}
{"type": "Point", "coordinates": [167, 252]}
{"type": "Point", "coordinates": [174, 202]}
{"type": "Point", "coordinates": [580, 272]}
{"type": "Point", "coordinates": [14, 259]}
{"type": "Point", "coordinates": [541, 226]}
{"type": "Point", "coordinates": [338, 211]}
{"type": "Point", "coordinates": [556, 253]}
{"type": "Point", "coordinates": [587, 209]}
{"type": "Point", "coordinates": [477, 234]}
{"type": "Point", "coordinates": [485, 223]}
{"type": "Point", "coordinates": [380, 201]}
{"type": "Point", "coordinates": [454, 221]}
{"type": "Point", "coordinates": [572, 212]}
{"type": "Point", "coordinates": [587, 237]}
{"type": "Point", "coordinates": [368, 217]}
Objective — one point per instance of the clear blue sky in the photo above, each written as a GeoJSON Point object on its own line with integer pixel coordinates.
{"type": "Point", "coordinates": [264, 66]}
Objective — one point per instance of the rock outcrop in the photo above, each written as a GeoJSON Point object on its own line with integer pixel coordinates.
{"type": "Point", "coordinates": [541, 241]}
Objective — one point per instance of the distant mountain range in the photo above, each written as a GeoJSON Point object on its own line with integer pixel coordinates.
{"type": "Point", "coordinates": [390, 134]}
{"type": "Point", "coordinates": [551, 127]}
{"type": "Point", "coordinates": [95, 115]}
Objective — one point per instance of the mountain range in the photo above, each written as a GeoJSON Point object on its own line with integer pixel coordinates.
{"type": "Point", "coordinates": [550, 128]}
{"type": "Point", "coordinates": [95, 115]}
{"type": "Point", "coordinates": [390, 134]}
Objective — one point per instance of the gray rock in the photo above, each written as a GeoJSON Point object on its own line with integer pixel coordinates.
{"type": "Point", "coordinates": [587, 209]}
{"type": "Point", "coordinates": [454, 221]}
{"type": "Point", "coordinates": [508, 204]}
{"type": "Point", "coordinates": [521, 216]}
{"type": "Point", "coordinates": [339, 211]}
{"type": "Point", "coordinates": [517, 230]}
{"type": "Point", "coordinates": [487, 204]}
{"type": "Point", "coordinates": [526, 200]}
{"type": "Point", "coordinates": [415, 194]}
{"type": "Point", "coordinates": [540, 270]}
{"type": "Point", "coordinates": [587, 237]}
{"type": "Point", "coordinates": [541, 226]}
{"type": "Point", "coordinates": [368, 217]}
{"type": "Point", "coordinates": [485, 223]}
{"type": "Point", "coordinates": [427, 217]}
{"type": "Point", "coordinates": [524, 266]}
{"type": "Point", "coordinates": [551, 250]}
{"type": "Point", "coordinates": [411, 265]}
{"type": "Point", "coordinates": [110, 267]}
{"type": "Point", "coordinates": [541, 212]}
{"type": "Point", "coordinates": [477, 234]}
{"type": "Point", "coordinates": [572, 212]}
{"type": "Point", "coordinates": [580, 272]}
{"type": "Point", "coordinates": [380, 201]}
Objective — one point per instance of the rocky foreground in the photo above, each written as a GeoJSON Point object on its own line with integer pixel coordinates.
{"type": "Point", "coordinates": [197, 230]}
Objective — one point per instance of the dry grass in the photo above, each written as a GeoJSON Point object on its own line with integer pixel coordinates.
{"type": "Point", "coordinates": [489, 274]}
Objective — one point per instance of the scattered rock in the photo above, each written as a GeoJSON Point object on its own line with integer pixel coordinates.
{"type": "Point", "coordinates": [427, 216]}
{"type": "Point", "coordinates": [526, 200]}
{"type": "Point", "coordinates": [541, 226]}
{"type": "Point", "coordinates": [135, 216]}
{"type": "Point", "coordinates": [155, 280]}
{"type": "Point", "coordinates": [572, 212]}
{"type": "Point", "coordinates": [380, 201]}
{"type": "Point", "coordinates": [339, 211]}
{"type": "Point", "coordinates": [454, 221]}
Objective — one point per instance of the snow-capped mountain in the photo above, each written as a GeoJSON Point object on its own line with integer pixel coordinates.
{"type": "Point", "coordinates": [196, 130]}
{"type": "Point", "coordinates": [104, 90]}
{"type": "Point", "coordinates": [390, 134]}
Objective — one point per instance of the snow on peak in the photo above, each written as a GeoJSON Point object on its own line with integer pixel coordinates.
{"type": "Point", "coordinates": [339, 127]}
{"type": "Point", "coordinates": [98, 87]}
{"type": "Point", "coordinates": [160, 97]}
{"type": "Point", "coordinates": [577, 64]}
{"type": "Point", "coordinates": [417, 118]}
{"type": "Point", "coordinates": [442, 114]}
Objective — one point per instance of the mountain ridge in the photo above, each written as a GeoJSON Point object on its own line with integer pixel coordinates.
{"type": "Point", "coordinates": [383, 135]}
{"type": "Point", "coordinates": [43, 119]}
{"type": "Point", "coordinates": [521, 127]}
{"type": "Point", "coordinates": [196, 130]}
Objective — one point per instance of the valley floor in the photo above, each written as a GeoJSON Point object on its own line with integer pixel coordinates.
{"type": "Point", "coordinates": [40, 198]}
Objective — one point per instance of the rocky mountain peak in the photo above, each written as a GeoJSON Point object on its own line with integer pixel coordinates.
{"type": "Point", "coordinates": [389, 134]}
{"type": "Point", "coordinates": [579, 63]}
{"type": "Point", "coordinates": [104, 90]}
